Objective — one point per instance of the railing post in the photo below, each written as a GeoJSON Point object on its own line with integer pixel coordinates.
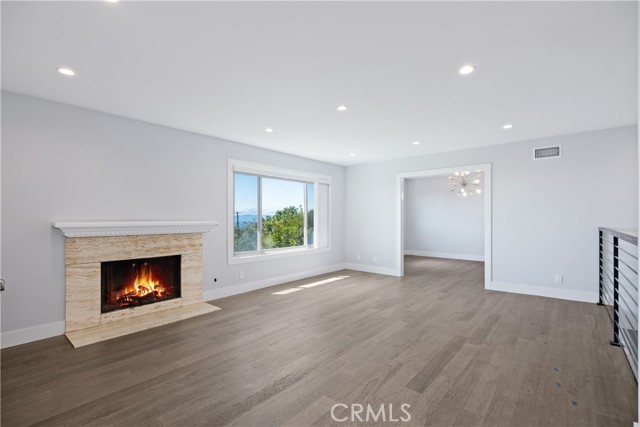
{"type": "Point", "coordinates": [616, 309]}
{"type": "Point", "coordinates": [600, 288]}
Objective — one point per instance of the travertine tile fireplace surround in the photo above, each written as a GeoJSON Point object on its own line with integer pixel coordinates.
{"type": "Point", "coordinates": [88, 244]}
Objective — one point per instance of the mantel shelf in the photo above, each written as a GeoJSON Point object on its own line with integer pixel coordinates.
{"type": "Point", "coordinates": [131, 228]}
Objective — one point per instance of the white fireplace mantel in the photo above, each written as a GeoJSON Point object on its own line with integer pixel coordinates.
{"type": "Point", "coordinates": [131, 228]}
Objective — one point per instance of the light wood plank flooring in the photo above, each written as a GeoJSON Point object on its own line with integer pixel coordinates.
{"type": "Point", "coordinates": [459, 355]}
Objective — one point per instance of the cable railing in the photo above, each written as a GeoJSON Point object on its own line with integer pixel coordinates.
{"type": "Point", "coordinates": [618, 290]}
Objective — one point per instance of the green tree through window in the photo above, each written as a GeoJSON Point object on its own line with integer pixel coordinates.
{"type": "Point", "coordinates": [272, 213]}
{"type": "Point", "coordinates": [245, 237]}
{"type": "Point", "coordinates": [284, 229]}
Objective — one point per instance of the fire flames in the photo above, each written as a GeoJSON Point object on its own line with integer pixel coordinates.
{"type": "Point", "coordinates": [144, 287]}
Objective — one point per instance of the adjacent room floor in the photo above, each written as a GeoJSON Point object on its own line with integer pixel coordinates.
{"type": "Point", "coordinates": [435, 339]}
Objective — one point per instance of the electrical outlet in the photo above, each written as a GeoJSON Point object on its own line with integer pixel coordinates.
{"type": "Point", "coordinates": [358, 257]}
{"type": "Point", "coordinates": [559, 278]}
{"type": "Point", "coordinates": [241, 274]}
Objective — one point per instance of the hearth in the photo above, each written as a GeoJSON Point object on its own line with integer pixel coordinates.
{"type": "Point", "coordinates": [135, 282]}
{"type": "Point", "coordinates": [99, 258]}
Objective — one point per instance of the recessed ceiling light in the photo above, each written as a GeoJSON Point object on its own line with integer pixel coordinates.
{"type": "Point", "coordinates": [507, 126]}
{"type": "Point", "coordinates": [342, 108]}
{"type": "Point", "coordinates": [268, 130]}
{"type": "Point", "coordinates": [112, 1]}
{"type": "Point", "coordinates": [66, 71]}
{"type": "Point", "coordinates": [466, 69]}
{"type": "Point", "coordinates": [416, 142]}
{"type": "Point", "coordinates": [352, 154]}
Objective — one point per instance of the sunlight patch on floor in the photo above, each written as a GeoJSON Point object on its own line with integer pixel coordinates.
{"type": "Point", "coordinates": [310, 285]}
{"type": "Point", "coordinates": [323, 282]}
{"type": "Point", "coordinates": [287, 291]}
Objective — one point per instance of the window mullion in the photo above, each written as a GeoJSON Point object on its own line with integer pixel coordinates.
{"type": "Point", "coordinates": [305, 209]}
{"type": "Point", "coordinates": [259, 233]}
{"type": "Point", "coordinates": [316, 212]}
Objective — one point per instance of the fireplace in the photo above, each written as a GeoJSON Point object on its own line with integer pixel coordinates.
{"type": "Point", "coordinates": [101, 276]}
{"type": "Point", "coordinates": [135, 282]}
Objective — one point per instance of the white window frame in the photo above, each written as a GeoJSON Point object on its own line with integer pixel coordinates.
{"type": "Point", "coordinates": [249, 168]}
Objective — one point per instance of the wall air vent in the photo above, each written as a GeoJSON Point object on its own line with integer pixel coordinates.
{"type": "Point", "coordinates": [546, 152]}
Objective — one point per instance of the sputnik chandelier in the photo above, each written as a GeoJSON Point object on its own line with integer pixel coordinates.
{"type": "Point", "coordinates": [463, 185]}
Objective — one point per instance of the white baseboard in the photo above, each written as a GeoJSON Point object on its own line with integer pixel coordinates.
{"type": "Point", "coordinates": [34, 333]}
{"type": "Point", "coordinates": [53, 329]}
{"type": "Point", "coordinates": [447, 255]}
{"type": "Point", "coordinates": [48, 330]}
{"type": "Point", "coordinates": [241, 288]}
{"type": "Point", "coordinates": [367, 268]}
{"type": "Point", "coordinates": [559, 293]}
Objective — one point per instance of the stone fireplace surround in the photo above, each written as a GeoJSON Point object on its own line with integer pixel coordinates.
{"type": "Point", "coordinates": [88, 244]}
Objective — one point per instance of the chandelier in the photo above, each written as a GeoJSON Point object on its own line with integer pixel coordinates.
{"type": "Point", "coordinates": [463, 185]}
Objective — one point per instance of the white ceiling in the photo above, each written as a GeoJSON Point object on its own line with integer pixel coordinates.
{"type": "Point", "coordinates": [231, 69]}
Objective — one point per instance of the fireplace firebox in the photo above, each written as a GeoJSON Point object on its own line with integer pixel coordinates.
{"type": "Point", "coordinates": [136, 282]}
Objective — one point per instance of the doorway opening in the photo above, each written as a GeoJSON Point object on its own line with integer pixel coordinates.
{"type": "Point", "coordinates": [408, 181]}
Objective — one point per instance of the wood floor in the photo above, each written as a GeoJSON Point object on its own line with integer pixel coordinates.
{"type": "Point", "coordinates": [459, 355]}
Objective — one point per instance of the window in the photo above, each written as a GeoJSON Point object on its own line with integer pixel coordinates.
{"type": "Point", "coordinates": [283, 213]}
{"type": "Point", "coordinates": [276, 211]}
{"type": "Point", "coordinates": [246, 213]}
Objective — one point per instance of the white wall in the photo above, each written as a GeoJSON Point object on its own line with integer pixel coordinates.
{"type": "Point", "coordinates": [65, 163]}
{"type": "Point", "coordinates": [439, 223]}
{"type": "Point", "coordinates": [545, 213]}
